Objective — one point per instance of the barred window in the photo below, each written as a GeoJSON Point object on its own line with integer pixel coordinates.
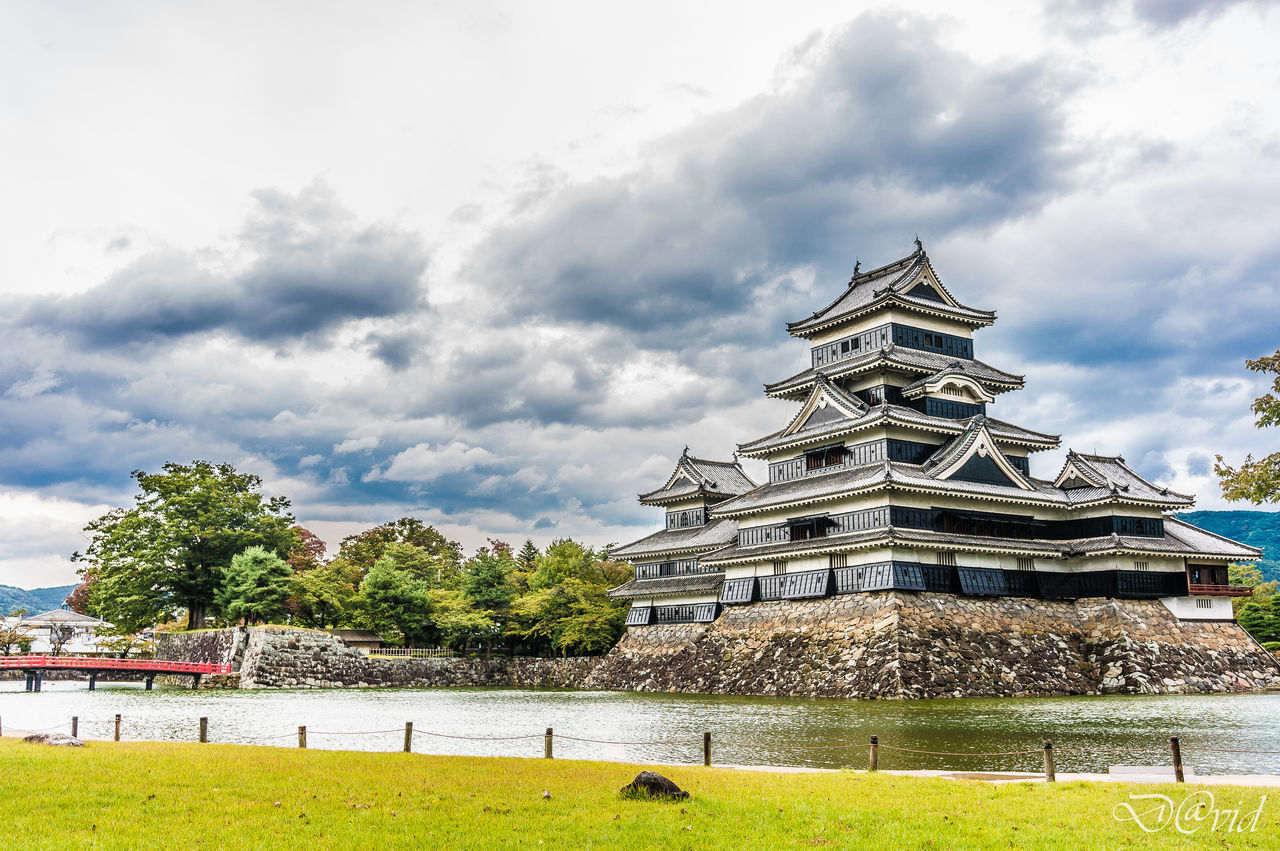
{"type": "Point", "coordinates": [1026, 564]}
{"type": "Point", "coordinates": [839, 560]}
{"type": "Point", "coordinates": [1204, 603]}
{"type": "Point", "coordinates": [779, 568]}
{"type": "Point", "coordinates": [947, 558]}
{"type": "Point", "coordinates": [1141, 565]}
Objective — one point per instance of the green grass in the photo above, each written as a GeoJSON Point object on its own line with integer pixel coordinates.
{"type": "Point", "coordinates": [134, 795]}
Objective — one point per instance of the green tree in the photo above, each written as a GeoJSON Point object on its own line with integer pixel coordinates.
{"type": "Point", "coordinates": [458, 621]}
{"type": "Point", "coordinates": [528, 557]}
{"type": "Point", "coordinates": [13, 635]}
{"type": "Point", "coordinates": [395, 604]}
{"type": "Point", "coordinates": [444, 556]}
{"type": "Point", "coordinates": [1257, 481]}
{"type": "Point", "coordinates": [327, 596]}
{"type": "Point", "coordinates": [255, 587]}
{"type": "Point", "coordinates": [170, 550]}
{"type": "Point", "coordinates": [1261, 618]}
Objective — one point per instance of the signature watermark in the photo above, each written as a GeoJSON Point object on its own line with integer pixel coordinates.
{"type": "Point", "coordinates": [1195, 812]}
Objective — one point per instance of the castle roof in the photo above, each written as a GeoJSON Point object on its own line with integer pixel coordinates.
{"type": "Point", "coordinates": [883, 415]}
{"type": "Point", "coordinates": [1179, 539]}
{"type": "Point", "coordinates": [910, 283]}
{"type": "Point", "coordinates": [700, 477]}
{"type": "Point", "coordinates": [682, 541]}
{"type": "Point", "coordinates": [1094, 476]}
{"type": "Point", "coordinates": [919, 361]}
{"type": "Point", "coordinates": [659, 586]}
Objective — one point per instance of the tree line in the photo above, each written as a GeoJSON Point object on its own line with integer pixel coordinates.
{"type": "Point", "coordinates": [202, 539]}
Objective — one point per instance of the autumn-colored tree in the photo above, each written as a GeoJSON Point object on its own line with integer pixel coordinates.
{"type": "Point", "coordinates": [309, 552]}
{"type": "Point", "coordinates": [78, 600]}
{"type": "Point", "coordinates": [1257, 481]}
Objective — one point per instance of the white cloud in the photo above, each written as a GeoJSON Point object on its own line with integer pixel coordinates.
{"type": "Point", "coordinates": [424, 463]}
{"type": "Point", "coordinates": [356, 444]}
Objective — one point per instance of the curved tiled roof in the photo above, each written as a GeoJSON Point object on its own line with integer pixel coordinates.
{"type": "Point", "coordinates": [882, 415]}
{"type": "Point", "coordinates": [700, 476]}
{"type": "Point", "coordinates": [914, 360]}
{"type": "Point", "coordinates": [663, 585]}
{"type": "Point", "coordinates": [717, 533]}
{"type": "Point", "coordinates": [888, 283]}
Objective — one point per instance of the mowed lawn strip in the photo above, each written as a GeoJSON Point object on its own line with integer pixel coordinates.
{"type": "Point", "coordinates": [224, 796]}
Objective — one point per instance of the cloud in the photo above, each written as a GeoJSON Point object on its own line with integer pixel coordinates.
{"type": "Point", "coordinates": [424, 463]}
{"type": "Point", "coordinates": [884, 133]}
{"type": "Point", "coordinates": [312, 268]}
{"type": "Point", "coordinates": [356, 444]}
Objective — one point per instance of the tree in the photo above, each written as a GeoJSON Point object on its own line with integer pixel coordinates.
{"type": "Point", "coordinates": [370, 545]}
{"type": "Point", "coordinates": [78, 600]}
{"type": "Point", "coordinates": [1257, 481]}
{"type": "Point", "coordinates": [458, 621]}
{"type": "Point", "coordinates": [1261, 618]}
{"type": "Point", "coordinates": [255, 587]}
{"type": "Point", "coordinates": [13, 634]}
{"type": "Point", "coordinates": [308, 553]}
{"type": "Point", "coordinates": [326, 596]}
{"type": "Point", "coordinates": [60, 635]}
{"type": "Point", "coordinates": [170, 549]}
{"type": "Point", "coordinates": [395, 603]}
{"type": "Point", "coordinates": [487, 584]}
{"type": "Point", "coordinates": [528, 557]}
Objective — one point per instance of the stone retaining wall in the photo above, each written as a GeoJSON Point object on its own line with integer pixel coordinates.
{"type": "Point", "coordinates": [894, 644]}
{"type": "Point", "coordinates": [879, 645]}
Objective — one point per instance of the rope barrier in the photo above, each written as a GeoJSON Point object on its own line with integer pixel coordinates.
{"type": "Point", "coordinates": [418, 732]}
{"type": "Point", "coordinates": [962, 753]}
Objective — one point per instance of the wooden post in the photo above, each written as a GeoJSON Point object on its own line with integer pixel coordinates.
{"type": "Point", "coordinates": [1, 728]}
{"type": "Point", "coordinates": [117, 728]}
{"type": "Point", "coordinates": [873, 755]}
{"type": "Point", "coordinates": [75, 726]}
{"type": "Point", "coordinates": [1177, 759]}
{"type": "Point", "coordinates": [302, 736]}
{"type": "Point", "coordinates": [546, 744]}
{"type": "Point", "coordinates": [204, 729]}
{"type": "Point", "coordinates": [1050, 775]}
{"type": "Point", "coordinates": [408, 737]}
{"type": "Point", "coordinates": [706, 749]}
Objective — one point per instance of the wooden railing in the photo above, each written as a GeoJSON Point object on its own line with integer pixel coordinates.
{"type": "Point", "coordinates": [1222, 590]}
{"type": "Point", "coordinates": [88, 663]}
{"type": "Point", "coordinates": [414, 652]}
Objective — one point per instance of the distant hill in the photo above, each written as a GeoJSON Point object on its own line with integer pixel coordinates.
{"type": "Point", "coordinates": [1259, 529]}
{"type": "Point", "coordinates": [35, 601]}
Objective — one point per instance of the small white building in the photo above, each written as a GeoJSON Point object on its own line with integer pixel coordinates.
{"type": "Point", "coordinates": [82, 631]}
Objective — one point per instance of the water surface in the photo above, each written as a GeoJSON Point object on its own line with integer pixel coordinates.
{"type": "Point", "coordinates": [667, 728]}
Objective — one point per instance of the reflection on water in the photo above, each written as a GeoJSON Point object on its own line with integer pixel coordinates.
{"type": "Point", "coordinates": [668, 728]}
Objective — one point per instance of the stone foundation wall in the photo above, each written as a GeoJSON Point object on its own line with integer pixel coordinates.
{"type": "Point", "coordinates": [879, 645]}
{"type": "Point", "coordinates": [893, 644]}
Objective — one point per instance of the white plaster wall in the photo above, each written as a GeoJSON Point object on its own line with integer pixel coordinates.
{"type": "Point", "coordinates": [1186, 608]}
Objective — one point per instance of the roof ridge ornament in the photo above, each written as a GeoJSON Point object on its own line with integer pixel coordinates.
{"type": "Point", "coordinates": [919, 244]}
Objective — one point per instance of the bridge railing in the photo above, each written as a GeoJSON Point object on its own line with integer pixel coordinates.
{"type": "Point", "coordinates": [156, 666]}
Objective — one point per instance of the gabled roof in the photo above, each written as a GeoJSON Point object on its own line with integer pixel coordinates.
{"type": "Point", "coordinates": [885, 415]}
{"type": "Point", "coordinates": [953, 374]}
{"type": "Point", "coordinates": [1088, 477]}
{"type": "Point", "coordinates": [975, 442]}
{"type": "Point", "coordinates": [687, 541]}
{"type": "Point", "coordinates": [61, 616]}
{"type": "Point", "coordinates": [700, 477]}
{"type": "Point", "coordinates": [827, 404]}
{"type": "Point", "coordinates": [918, 361]}
{"type": "Point", "coordinates": [895, 283]}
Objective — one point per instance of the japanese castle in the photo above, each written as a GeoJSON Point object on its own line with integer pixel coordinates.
{"type": "Point", "coordinates": [891, 475]}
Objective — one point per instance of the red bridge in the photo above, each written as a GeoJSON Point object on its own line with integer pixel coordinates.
{"type": "Point", "coordinates": [35, 667]}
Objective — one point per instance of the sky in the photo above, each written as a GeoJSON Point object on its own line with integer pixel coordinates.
{"type": "Point", "coordinates": [495, 264]}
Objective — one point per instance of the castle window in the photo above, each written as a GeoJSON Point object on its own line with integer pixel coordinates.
{"type": "Point", "coordinates": [1141, 565]}
{"type": "Point", "coordinates": [838, 560]}
{"type": "Point", "coordinates": [947, 558]}
{"type": "Point", "coordinates": [1204, 603]}
{"type": "Point", "coordinates": [827, 456]}
{"type": "Point", "coordinates": [1026, 564]}
{"type": "Point", "coordinates": [779, 568]}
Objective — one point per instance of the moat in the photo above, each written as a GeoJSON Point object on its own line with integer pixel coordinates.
{"type": "Point", "coordinates": [667, 728]}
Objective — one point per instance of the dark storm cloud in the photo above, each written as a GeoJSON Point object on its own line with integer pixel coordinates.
{"type": "Point", "coordinates": [313, 268]}
{"type": "Point", "coordinates": [886, 133]}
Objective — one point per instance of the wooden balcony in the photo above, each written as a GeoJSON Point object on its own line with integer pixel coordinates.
{"type": "Point", "coordinates": [1221, 590]}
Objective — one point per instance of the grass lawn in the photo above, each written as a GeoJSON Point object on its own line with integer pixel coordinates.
{"type": "Point", "coordinates": [134, 795]}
